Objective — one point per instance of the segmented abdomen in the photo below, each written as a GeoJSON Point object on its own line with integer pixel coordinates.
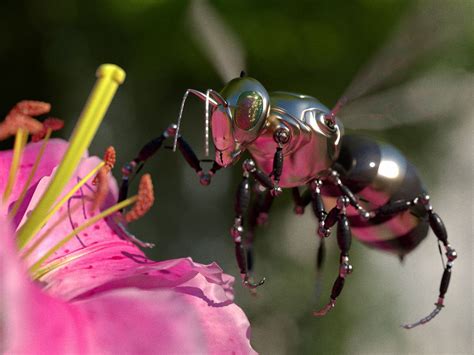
{"type": "Point", "coordinates": [379, 174]}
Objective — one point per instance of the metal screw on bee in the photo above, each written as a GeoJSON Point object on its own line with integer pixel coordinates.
{"type": "Point", "coordinates": [368, 189]}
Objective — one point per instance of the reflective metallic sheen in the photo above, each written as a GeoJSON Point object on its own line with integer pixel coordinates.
{"type": "Point", "coordinates": [312, 146]}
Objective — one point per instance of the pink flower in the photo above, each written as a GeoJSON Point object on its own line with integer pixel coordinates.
{"type": "Point", "coordinates": [97, 292]}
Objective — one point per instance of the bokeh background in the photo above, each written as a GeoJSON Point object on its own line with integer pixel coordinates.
{"type": "Point", "coordinates": [50, 50]}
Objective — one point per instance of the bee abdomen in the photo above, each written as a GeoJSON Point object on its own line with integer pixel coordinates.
{"type": "Point", "coordinates": [380, 176]}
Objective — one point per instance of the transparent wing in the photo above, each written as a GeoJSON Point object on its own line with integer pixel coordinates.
{"type": "Point", "coordinates": [216, 39]}
{"type": "Point", "coordinates": [437, 95]}
{"type": "Point", "coordinates": [430, 33]}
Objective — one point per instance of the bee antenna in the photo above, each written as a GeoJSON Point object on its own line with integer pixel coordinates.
{"type": "Point", "coordinates": [243, 73]}
{"type": "Point", "coordinates": [206, 126]}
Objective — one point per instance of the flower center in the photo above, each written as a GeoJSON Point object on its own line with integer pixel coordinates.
{"type": "Point", "coordinates": [109, 77]}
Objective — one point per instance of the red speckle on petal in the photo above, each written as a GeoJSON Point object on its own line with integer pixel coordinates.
{"type": "Point", "coordinates": [97, 227]}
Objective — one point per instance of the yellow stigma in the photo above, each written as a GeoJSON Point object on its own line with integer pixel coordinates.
{"type": "Point", "coordinates": [109, 77]}
{"type": "Point", "coordinates": [20, 142]}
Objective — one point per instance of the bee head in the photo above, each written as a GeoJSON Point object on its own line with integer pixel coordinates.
{"type": "Point", "coordinates": [238, 124]}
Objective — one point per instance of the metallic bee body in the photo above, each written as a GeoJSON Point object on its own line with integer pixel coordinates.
{"type": "Point", "coordinates": [292, 141]}
{"type": "Point", "coordinates": [379, 174]}
{"type": "Point", "coordinates": [301, 117]}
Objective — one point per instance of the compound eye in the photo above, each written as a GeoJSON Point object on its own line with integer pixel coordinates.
{"type": "Point", "coordinates": [249, 110]}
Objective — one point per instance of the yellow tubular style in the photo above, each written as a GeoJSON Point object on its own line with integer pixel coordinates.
{"type": "Point", "coordinates": [109, 77]}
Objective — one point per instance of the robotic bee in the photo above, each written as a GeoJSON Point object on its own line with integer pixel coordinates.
{"type": "Point", "coordinates": [364, 188]}
{"type": "Point", "coordinates": [367, 188]}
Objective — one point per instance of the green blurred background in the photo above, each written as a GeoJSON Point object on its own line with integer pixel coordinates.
{"type": "Point", "coordinates": [50, 50]}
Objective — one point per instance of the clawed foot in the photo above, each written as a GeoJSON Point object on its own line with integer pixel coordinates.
{"type": "Point", "coordinates": [252, 285]}
{"type": "Point", "coordinates": [323, 311]}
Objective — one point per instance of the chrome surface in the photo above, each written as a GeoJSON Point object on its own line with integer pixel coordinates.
{"type": "Point", "coordinates": [232, 93]}
{"type": "Point", "coordinates": [312, 146]}
{"type": "Point", "coordinates": [379, 173]}
{"type": "Point", "coordinates": [223, 137]}
{"type": "Point", "coordinates": [391, 172]}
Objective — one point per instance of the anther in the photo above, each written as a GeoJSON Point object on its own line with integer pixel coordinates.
{"type": "Point", "coordinates": [110, 157]}
{"type": "Point", "coordinates": [145, 200]}
{"type": "Point", "coordinates": [50, 124]}
{"type": "Point", "coordinates": [20, 117]}
{"type": "Point", "coordinates": [32, 108]}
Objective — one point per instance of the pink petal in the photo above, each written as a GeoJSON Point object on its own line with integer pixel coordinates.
{"type": "Point", "coordinates": [226, 328]}
{"type": "Point", "coordinates": [73, 214]}
{"type": "Point", "coordinates": [98, 270]}
{"type": "Point", "coordinates": [125, 320]}
{"type": "Point", "coordinates": [106, 266]}
{"type": "Point", "coordinates": [99, 255]}
{"type": "Point", "coordinates": [51, 158]}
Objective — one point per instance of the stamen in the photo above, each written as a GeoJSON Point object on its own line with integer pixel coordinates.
{"type": "Point", "coordinates": [145, 199]}
{"type": "Point", "coordinates": [101, 178]}
{"type": "Point", "coordinates": [32, 108]}
{"type": "Point", "coordinates": [110, 157]}
{"type": "Point", "coordinates": [20, 142]}
{"type": "Point", "coordinates": [76, 187]}
{"type": "Point", "coordinates": [18, 202]}
{"type": "Point", "coordinates": [109, 77]}
{"type": "Point", "coordinates": [25, 252]}
{"type": "Point", "coordinates": [50, 124]}
{"type": "Point", "coordinates": [36, 266]}
{"type": "Point", "coordinates": [102, 188]}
